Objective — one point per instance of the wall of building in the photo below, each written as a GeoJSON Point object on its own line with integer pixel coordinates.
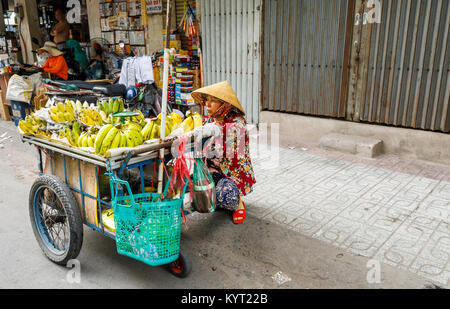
{"type": "Point", "coordinates": [29, 29]}
{"type": "Point", "coordinates": [93, 10]}
{"type": "Point", "coordinates": [417, 144]}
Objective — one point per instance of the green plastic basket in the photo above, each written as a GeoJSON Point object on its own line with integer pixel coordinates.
{"type": "Point", "coordinates": [147, 229]}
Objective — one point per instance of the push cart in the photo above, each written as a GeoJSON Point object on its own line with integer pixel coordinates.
{"type": "Point", "coordinates": [76, 188]}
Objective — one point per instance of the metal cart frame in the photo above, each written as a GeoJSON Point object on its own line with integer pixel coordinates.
{"type": "Point", "coordinates": [118, 164]}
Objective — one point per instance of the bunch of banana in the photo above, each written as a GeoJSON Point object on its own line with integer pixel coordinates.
{"type": "Point", "coordinates": [31, 125]}
{"type": "Point", "coordinates": [147, 131]}
{"type": "Point", "coordinates": [87, 139]}
{"type": "Point", "coordinates": [76, 131]}
{"type": "Point", "coordinates": [91, 117]}
{"type": "Point", "coordinates": [62, 112]}
{"type": "Point", "coordinates": [176, 120]}
{"type": "Point", "coordinates": [77, 106]}
{"type": "Point", "coordinates": [109, 119]}
{"type": "Point", "coordinates": [71, 136]}
{"type": "Point", "coordinates": [111, 137]}
{"type": "Point", "coordinates": [152, 129]}
{"type": "Point", "coordinates": [139, 118]}
{"type": "Point", "coordinates": [132, 132]}
{"type": "Point", "coordinates": [192, 121]}
{"type": "Point", "coordinates": [111, 106]}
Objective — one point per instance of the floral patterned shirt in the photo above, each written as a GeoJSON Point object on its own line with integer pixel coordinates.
{"type": "Point", "coordinates": [232, 152]}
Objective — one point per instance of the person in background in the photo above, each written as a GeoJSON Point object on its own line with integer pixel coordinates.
{"type": "Point", "coordinates": [61, 30]}
{"type": "Point", "coordinates": [56, 64]}
{"type": "Point", "coordinates": [231, 168]}
{"type": "Point", "coordinates": [95, 70]}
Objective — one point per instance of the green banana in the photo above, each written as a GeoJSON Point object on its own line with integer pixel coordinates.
{"type": "Point", "coordinates": [116, 107]}
{"type": "Point", "coordinates": [76, 128]}
{"type": "Point", "coordinates": [121, 105]}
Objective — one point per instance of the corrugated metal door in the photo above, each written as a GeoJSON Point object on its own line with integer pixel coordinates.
{"type": "Point", "coordinates": [231, 33]}
{"type": "Point", "coordinates": [307, 45]}
{"type": "Point", "coordinates": [408, 81]}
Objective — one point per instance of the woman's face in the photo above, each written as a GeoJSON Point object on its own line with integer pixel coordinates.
{"type": "Point", "coordinates": [211, 105]}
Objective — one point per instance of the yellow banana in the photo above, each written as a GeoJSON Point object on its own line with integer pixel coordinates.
{"type": "Point", "coordinates": [168, 130]}
{"type": "Point", "coordinates": [116, 141]}
{"type": "Point", "coordinates": [135, 136]}
{"type": "Point", "coordinates": [80, 140]}
{"type": "Point", "coordinates": [85, 142]}
{"type": "Point", "coordinates": [147, 131]}
{"type": "Point", "coordinates": [24, 127]}
{"type": "Point", "coordinates": [69, 117]}
{"type": "Point", "coordinates": [130, 142]}
{"type": "Point", "coordinates": [198, 122]}
{"type": "Point", "coordinates": [133, 126]}
{"type": "Point", "coordinates": [70, 137]}
{"type": "Point", "coordinates": [188, 124]}
{"type": "Point", "coordinates": [61, 107]}
{"type": "Point", "coordinates": [104, 116]}
{"type": "Point", "coordinates": [69, 108]}
{"type": "Point", "coordinates": [155, 131]}
{"type": "Point", "coordinates": [176, 118]}
{"type": "Point", "coordinates": [101, 136]}
{"type": "Point", "coordinates": [123, 142]}
{"type": "Point", "coordinates": [54, 110]}
{"type": "Point", "coordinates": [90, 141]}
{"type": "Point", "coordinates": [108, 140]}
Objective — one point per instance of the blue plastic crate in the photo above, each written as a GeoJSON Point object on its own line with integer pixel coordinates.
{"type": "Point", "coordinates": [19, 111]}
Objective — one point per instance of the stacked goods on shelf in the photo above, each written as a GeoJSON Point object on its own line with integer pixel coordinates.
{"type": "Point", "coordinates": [121, 21]}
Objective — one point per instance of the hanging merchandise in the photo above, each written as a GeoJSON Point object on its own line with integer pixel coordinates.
{"type": "Point", "coordinates": [136, 70]}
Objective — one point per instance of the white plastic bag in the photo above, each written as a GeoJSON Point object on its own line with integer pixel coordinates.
{"type": "Point", "coordinates": [19, 89]}
{"type": "Point", "coordinates": [37, 80]}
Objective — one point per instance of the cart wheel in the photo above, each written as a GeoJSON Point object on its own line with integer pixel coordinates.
{"type": "Point", "coordinates": [56, 219]}
{"type": "Point", "coordinates": [181, 268]}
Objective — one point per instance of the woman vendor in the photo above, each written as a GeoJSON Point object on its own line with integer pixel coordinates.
{"type": "Point", "coordinates": [231, 167]}
{"type": "Point", "coordinates": [56, 64]}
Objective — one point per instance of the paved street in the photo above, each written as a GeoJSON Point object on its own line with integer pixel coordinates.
{"type": "Point", "coordinates": [316, 222]}
{"type": "Point", "coordinates": [393, 210]}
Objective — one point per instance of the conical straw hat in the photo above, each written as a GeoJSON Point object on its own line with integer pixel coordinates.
{"type": "Point", "coordinates": [221, 91]}
{"type": "Point", "coordinates": [51, 48]}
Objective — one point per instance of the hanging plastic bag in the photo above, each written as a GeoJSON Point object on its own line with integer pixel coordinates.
{"type": "Point", "coordinates": [204, 188]}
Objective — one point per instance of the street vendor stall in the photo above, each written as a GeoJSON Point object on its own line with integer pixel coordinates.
{"type": "Point", "coordinates": [89, 156]}
{"type": "Point", "coordinates": [96, 154]}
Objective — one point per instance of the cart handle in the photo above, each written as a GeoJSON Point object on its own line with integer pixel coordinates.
{"type": "Point", "coordinates": [116, 181]}
{"type": "Point", "coordinates": [122, 182]}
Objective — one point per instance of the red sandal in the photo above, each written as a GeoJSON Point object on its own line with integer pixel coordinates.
{"type": "Point", "coordinates": [239, 215]}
